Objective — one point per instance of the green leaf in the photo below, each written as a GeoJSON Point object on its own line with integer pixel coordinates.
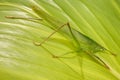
{"type": "Point", "coordinates": [21, 59]}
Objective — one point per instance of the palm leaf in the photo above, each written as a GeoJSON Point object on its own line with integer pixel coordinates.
{"type": "Point", "coordinates": [21, 59]}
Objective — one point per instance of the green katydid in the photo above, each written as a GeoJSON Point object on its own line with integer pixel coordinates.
{"type": "Point", "coordinates": [82, 43]}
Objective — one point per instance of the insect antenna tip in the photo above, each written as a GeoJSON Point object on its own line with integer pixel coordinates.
{"type": "Point", "coordinates": [10, 17]}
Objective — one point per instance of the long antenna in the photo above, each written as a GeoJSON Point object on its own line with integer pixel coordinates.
{"type": "Point", "coordinates": [13, 17]}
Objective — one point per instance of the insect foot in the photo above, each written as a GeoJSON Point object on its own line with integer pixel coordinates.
{"type": "Point", "coordinates": [36, 43]}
